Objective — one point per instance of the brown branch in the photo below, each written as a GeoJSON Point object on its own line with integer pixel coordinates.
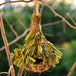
{"type": "Point", "coordinates": [41, 9]}
{"type": "Point", "coordinates": [6, 46]}
{"type": "Point", "coordinates": [16, 1]}
{"type": "Point", "coordinates": [71, 70]}
{"type": "Point", "coordinates": [10, 70]}
{"type": "Point", "coordinates": [15, 40]}
{"type": "Point", "coordinates": [14, 23]}
{"type": "Point", "coordinates": [71, 18]}
{"type": "Point", "coordinates": [56, 14]}
{"type": "Point", "coordinates": [48, 24]}
{"type": "Point", "coordinates": [4, 73]}
{"type": "Point", "coordinates": [19, 20]}
{"type": "Point", "coordinates": [11, 27]}
{"type": "Point", "coordinates": [21, 23]}
{"type": "Point", "coordinates": [20, 72]}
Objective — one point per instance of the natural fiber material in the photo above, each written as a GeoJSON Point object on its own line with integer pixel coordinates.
{"type": "Point", "coordinates": [37, 54]}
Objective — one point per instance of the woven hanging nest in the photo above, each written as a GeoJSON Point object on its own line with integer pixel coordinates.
{"type": "Point", "coordinates": [37, 54]}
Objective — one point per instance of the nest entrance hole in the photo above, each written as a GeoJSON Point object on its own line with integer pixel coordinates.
{"type": "Point", "coordinates": [38, 61]}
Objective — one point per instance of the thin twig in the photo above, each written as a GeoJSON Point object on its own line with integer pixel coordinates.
{"type": "Point", "coordinates": [6, 45]}
{"type": "Point", "coordinates": [21, 23]}
{"type": "Point", "coordinates": [15, 2]}
{"type": "Point", "coordinates": [10, 70]}
{"type": "Point", "coordinates": [56, 14]}
{"type": "Point", "coordinates": [70, 11]}
{"type": "Point", "coordinates": [11, 27]}
{"type": "Point", "coordinates": [15, 40]}
{"type": "Point", "coordinates": [4, 73]}
{"type": "Point", "coordinates": [19, 20]}
{"type": "Point", "coordinates": [14, 23]}
{"type": "Point", "coordinates": [71, 18]}
{"type": "Point", "coordinates": [20, 72]}
{"type": "Point", "coordinates": [49, 24]}
{"type": "Point", "coordinates": [41, 9]}
{"type": "Point", "coordinates": [71, 70]}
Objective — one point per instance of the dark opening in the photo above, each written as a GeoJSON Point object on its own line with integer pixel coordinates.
{"type": "Point", "coordinates": [38, 61]}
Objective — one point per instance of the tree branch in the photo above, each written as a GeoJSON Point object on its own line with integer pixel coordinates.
{"type": "Point", "coordinates": [6, 46]}
{"type": "Point", "coordinates": [41, 9]}
{"type": "Point", "coordinates": [11, 27]}
{"type": "Point", "coordinates": [50, 24]}
{"type": "Point", "coordinates": [20, 71]}
{"type": "Point", "coordinates": [56, 14]}
{"type": "Point", "coordinates": [10, 70]}
{"type": "Point", "coordinates": [71, 18]}
{"type": "Point", "coordinates": [15, 40]}
{"type": "Point", "coordinates": [15, 2]}
{"type": "Point", "coordinates": [21, 23]}
{"type": "Point", "coordinates": [71, 70]}
{"type": "Point", "coordinates": [4, 73]}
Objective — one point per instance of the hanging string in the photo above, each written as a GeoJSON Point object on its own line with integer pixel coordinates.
{"type": "Point", "coordinates": [36, 9]}
{"type": "Point", "coordinates": [35, 17]}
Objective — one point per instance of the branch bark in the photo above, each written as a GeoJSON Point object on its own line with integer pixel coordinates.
{"type": "Point", "coordinates": [71, 70]}
{"type": "Point", "coordinates": [6, 46]}
{"type": "Point", "coordinates": [11, 27]}
{"type": "Point", "coordinates": [50, 24]}
{"type": "Point", "coordinates": [20, 72]}
{"type": "Point", "coordinates": [71, 19]}
{"type": "Point", "coordinates": [4, 73]}
{"type": "Point", "coordinates": [16, 1]}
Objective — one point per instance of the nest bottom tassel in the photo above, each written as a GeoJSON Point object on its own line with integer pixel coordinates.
{"type": "Point", "coordinates": [37, 54]}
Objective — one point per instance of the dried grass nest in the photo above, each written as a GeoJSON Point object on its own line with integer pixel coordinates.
{"type": "Point", "coordinates": [38, 67]}
{"type": "Point", "coordinates": [37, 54]}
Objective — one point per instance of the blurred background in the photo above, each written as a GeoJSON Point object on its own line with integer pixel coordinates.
{"type": "Point", "coordinates": [18, 15]}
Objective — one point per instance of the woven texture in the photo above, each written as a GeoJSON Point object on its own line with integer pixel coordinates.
{"type": "Point", "coordinates": [37, 54]}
